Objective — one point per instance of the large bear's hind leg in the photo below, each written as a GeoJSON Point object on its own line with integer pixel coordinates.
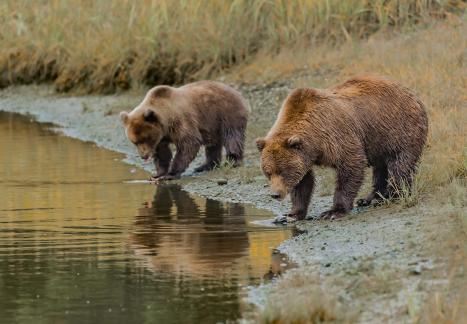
{"type": "Point", "coordinates": [301, 195]}
{"type": "Point", "coordinates": [401, 171]}
{"type": "Point", "coordinates": [380, 184]}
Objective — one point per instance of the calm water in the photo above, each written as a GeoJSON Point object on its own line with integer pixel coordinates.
{"type": "Point", "coordinates": [78, 244]}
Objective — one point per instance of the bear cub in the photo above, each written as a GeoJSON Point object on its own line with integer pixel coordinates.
{"type": "Point", "coordinates": [201, 113]}
{"type": "Point", "coordinates": [366, 121]}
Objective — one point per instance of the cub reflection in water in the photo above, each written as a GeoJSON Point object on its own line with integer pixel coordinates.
{"type": "Point", "coordinates": [178, 233]}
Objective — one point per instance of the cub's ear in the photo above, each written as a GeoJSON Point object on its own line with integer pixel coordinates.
{"type": "Point", "coordinates": [150, 116]}
{"type": "Point", "coordinates": [260, 143]}
{"type": "Point", "coordinates": [294, 142]}
{"type": "Point", "coordinates": [124, 117]}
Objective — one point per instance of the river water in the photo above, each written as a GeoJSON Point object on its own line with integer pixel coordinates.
{"type": "Point", "coordinates": [79, 243]}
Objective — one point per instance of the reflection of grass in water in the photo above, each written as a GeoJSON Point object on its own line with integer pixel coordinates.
{"type": "Point", "coordinates": [104, 46]}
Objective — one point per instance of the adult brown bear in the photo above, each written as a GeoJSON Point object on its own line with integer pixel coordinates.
{"type": "Point", "coordinates": [201, 113]}
{"type": "Point", "coordinates": [366, 121]}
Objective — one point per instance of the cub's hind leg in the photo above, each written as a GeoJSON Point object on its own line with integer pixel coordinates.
{"type": "Point", "coordinates": [213, 158]}
{"type": "Point", "coordinates": [234, 146]}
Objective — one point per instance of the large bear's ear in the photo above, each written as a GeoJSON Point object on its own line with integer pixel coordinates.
{"type": "Point", "coordinates": [294, 142]}
{"type": "Point", "coordinates": [124, 117]}
{"type": "Point", "coordinates": [260, 144]}
{"type": "Point", "coordinates": [150, 116]}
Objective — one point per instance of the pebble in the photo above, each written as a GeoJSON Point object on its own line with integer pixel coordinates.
{"type": "Point", "coordinates": [221, 182]}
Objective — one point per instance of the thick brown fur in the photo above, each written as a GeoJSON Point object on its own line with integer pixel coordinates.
{"type": "Point", "coordinates": [366, 121]}
{"type": "Point", "coordinates": [201, 113]}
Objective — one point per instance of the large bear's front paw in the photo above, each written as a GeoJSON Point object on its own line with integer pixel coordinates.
{"type": "Point", "coordinates": [333, 214]}
{"type": "Point", "coordinates": [298, 215]}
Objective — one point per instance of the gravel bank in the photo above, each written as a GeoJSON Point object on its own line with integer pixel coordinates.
{"type": "Point", "coordinates": [381, 262]}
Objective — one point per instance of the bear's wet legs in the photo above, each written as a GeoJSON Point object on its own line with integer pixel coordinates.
{"type": "Point", "coordinates": [401, 171]}
{"type": "Point", "coordinates": [301, 195]}
{"type": "Point", "coordinates": [186, 153]}
{"type": "Point", "coordinates": [349, 180]}
{"type": "Point", "coordinates": [234, 145]}
{"type": "Point", "coordinates": [380, 184]}
{"type": "Point", "coordinates": [213, 158]}
{"type": "Point", "coordinates": [162, 158]}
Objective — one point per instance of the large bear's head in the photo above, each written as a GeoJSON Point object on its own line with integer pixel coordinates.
{"type": "Point", "coordinates": [283, 162]}
{"type": "Point", "coordinates": [144, 126]}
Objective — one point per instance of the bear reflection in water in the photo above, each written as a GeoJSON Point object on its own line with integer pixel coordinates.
{"type": "Point", "coordinates": [178, 233]}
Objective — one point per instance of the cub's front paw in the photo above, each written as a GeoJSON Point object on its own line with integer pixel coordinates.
{"type": "Point", "coordinates": [333, 214]}
{"type": "Point", "coordinates": [166, 177]}
{"type": "Point", "coordinates": [155, 177]}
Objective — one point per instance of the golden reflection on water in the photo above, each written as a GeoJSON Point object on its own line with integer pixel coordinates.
{"type": "Point", "coordinates": [73, 232]}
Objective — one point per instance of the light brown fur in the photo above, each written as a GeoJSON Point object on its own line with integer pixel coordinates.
{"type": "Point", "coordinates": [201, 113]}
{"type": "Point", "coordinates": [367, 120]}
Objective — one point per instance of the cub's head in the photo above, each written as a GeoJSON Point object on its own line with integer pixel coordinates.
{"type": "Point", "coordinates": [283, 162]}
{"type": "Point", "coordinates": [144, 129]}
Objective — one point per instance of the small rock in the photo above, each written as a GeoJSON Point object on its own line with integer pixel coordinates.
{"type": "Point", "coordinates": [327, 265]}
{"type": "Point", "coordinates": [222, 182]}
{"type": "Point", "coordinates": [416, 270]}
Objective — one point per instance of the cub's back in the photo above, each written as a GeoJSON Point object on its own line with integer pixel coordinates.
{"type": "Point", "coordinates": [214, 101]}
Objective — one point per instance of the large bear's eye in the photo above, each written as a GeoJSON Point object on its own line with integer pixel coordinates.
{"type": "Point", "coordinates": [294, 142]}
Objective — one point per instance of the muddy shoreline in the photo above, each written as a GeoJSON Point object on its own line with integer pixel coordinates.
{"type": "Point", "coordinates": [382, 262]}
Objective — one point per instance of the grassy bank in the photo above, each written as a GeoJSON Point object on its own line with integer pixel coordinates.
{"type": "Point", "coordinates": [106, 46]}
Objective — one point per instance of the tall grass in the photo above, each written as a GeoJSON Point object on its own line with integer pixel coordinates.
{"type": "Point", "coordinates": [105, 46]}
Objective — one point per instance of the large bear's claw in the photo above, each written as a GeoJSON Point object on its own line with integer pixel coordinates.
{"type": "Point", "coordinates": [332, 214]}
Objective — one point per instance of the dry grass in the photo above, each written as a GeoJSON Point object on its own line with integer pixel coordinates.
{"type": "Point", "coordinates": [301, 298]}
{"type": "Point", "coordinates": [106, 46]}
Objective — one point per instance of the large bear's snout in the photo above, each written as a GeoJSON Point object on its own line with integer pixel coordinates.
{"type": "Point", "coordinates": [278, 188]}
